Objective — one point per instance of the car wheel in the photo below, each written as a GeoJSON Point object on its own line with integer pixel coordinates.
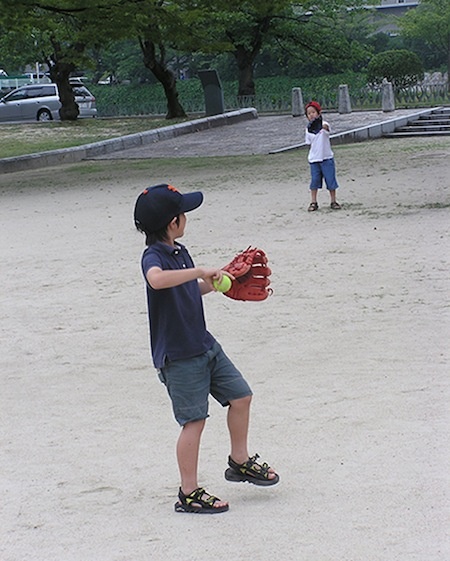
{"type": "Point", "coordinates": [44, 115]}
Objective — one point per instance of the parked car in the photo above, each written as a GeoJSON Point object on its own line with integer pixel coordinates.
{"type": "Point", "coordinates": [41, 102]}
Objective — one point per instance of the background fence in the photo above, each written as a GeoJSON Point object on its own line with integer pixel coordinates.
{"type": "Point", "coordinates": [362, 99]}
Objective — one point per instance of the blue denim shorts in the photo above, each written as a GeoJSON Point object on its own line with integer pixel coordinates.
{"type": "Point", "coordinates": [323, 170]}
{"type": "Point", "coordinates": [190, 381]}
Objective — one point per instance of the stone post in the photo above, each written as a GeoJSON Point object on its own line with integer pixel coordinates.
{"type": "Point", "coordinates": [387, 96]}
{"type": "Point", "coordinates": [344, 100]}
{"type": "Point", "coordinates": [298, 108]}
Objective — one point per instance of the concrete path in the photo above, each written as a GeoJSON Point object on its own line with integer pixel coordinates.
{"type": "Point", "coordinates": [256, 136]}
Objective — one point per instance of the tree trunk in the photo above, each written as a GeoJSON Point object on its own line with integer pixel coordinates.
{"type": "Point", "coordinates": [244, 61]}
{"type": "Point", "coordinates": [164, 75]}
{"type": "Point", "coordinates": [59, 74]}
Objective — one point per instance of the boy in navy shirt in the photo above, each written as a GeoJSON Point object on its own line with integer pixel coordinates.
{"type": "Point", "coordinates": [190, 362]}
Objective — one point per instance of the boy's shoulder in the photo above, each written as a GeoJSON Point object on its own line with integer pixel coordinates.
{"type": "Point", "coordinates": [162, 252]}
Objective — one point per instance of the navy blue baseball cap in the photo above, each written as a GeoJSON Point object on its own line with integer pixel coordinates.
{"type": "Point", "coordinates": [158, 205]}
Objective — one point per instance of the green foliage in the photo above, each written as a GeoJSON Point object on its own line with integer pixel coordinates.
{"type": "Point", "coordinates": [149, 98]}
{"type": "Point", "coordinates": [429, 25]}
{"type": "Point", "coordinates": [400, 67]}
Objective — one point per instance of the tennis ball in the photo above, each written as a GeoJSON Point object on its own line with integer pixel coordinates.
{"type": "Point", "coordinates": [224, 285]}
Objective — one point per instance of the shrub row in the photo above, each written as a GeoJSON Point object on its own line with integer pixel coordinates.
{"type": "Point", "coordinates": [273, 95]}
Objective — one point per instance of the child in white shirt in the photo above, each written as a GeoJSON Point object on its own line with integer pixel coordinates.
{"type": "Point", "coordinates": [320, 156]}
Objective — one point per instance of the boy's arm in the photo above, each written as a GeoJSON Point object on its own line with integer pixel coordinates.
{"type": "Point", "coordinates": [159, 279]}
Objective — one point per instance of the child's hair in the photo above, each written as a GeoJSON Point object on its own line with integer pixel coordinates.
{"type": "Point", "coordinates": [158, 236]}
{"type": "Point", "coordinates": [314, 104]}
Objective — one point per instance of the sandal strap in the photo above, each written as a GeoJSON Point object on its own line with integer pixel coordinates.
{"type": "Point", "coordinates": [198, 496]}
{"type": "Point", "coordinates": [251, 467]}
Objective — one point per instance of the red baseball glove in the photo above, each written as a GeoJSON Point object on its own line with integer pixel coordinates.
{"type": "Point", "coordinates": [251, 273]}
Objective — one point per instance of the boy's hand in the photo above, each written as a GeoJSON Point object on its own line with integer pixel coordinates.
{"type": "Point", "coordinates": [211, 275]}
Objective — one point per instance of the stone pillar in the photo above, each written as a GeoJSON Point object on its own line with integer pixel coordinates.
{"type": "Point", "coordinates": [212, 88]}
{"type": "Point", "coordinates": [387, 96]}
{"type": "Point", "coordinates": [344, 100]}
{"type": "Point", "coordinates": [298, 108]}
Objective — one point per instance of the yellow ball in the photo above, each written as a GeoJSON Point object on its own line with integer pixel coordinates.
{"type": "Point", "coordinates": [223, 286]}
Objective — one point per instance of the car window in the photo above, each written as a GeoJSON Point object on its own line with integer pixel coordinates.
{"type": "Point", "coordinates": [81, 91]}
{"type": "Point", "coordinates": [41, 91]}
{"type": "Point", "coordinates": [47, 90]}
{"type": "Point", "coordinates": [15, 96]}
{"type": "Point", "coordinates": [38, 91]}
{"type": "Point", "coordinates": [33, 92]}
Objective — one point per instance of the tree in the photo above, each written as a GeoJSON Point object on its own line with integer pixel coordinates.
{"type": "Point", "coordinates": [66, 32]}
{"type": "Point", "coordinates": [400, 67]}
{"type": "Point", "coordinates": [61, 33]}
{"type": "Point", "coordinates": [430, 21]}
{"type": "Point", "coordinates": [160, 26]}
{"type": "Point", "coordinates": [244, 28]}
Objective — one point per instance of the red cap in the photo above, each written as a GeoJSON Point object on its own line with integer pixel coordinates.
{"type": "Point", "coordinates": [314, 104]}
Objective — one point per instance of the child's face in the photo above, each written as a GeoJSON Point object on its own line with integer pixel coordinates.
{"type": "Point", "coordinates": [311, 113]}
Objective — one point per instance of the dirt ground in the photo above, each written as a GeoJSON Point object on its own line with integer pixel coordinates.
{"type": "Point", "coordinates": [348, 361]}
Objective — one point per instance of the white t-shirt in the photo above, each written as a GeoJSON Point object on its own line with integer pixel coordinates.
{"type": "Point", "coordinates": [320, 145]}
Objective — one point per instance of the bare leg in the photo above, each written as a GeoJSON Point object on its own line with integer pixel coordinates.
{"type": "Point", "coordinates": [238, 422]}
{"type": "Point", "coordinates": [188, 447]}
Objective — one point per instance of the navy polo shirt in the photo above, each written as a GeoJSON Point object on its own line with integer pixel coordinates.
{"type": "Point", "coordinates": [176, 316]}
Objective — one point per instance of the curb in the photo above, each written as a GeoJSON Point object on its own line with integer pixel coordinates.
{"type": "Point", "coordinates": [364, 133]}
{"type": "Point", "coordinates": [87, 151]}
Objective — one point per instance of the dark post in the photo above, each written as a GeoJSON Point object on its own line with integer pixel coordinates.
{"type": "Point", "coordinates": [212, 88]}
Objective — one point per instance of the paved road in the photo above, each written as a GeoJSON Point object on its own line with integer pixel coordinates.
{"type": "Point", "coordinates": [256, 136]}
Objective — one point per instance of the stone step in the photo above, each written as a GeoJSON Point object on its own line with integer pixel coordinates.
{"type": "Point", "coordinates": [416, 133]}
{"type": "Point", "coordinates": [436, 123]}
{"type": "Point", "coordinates": [433, 119]}
{"type": "Point", "coordinates": [425, 127]}
{"type": "Point", "coordinates": [443, 111]}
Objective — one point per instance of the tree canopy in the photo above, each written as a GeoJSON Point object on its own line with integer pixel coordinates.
{"type": "Point", "coordinates": [400, 67]}
{"type": "Point", "coordinates": [430, 22]}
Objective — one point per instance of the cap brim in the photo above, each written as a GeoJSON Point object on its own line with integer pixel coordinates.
{"type": "Point", "coordinates": [191, 201]}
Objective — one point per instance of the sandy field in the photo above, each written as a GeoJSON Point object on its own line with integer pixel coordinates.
{"type": "Point", "coordinates": [348, 360]}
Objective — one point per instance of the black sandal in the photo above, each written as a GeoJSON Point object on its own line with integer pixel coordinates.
{"type": "Point", "coordinates": [250, 471]}
{"type": "Point", "coordinates": [312, 207]}
{"type": "Point", "coordinates": [199, 502]}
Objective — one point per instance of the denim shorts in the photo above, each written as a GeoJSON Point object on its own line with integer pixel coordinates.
{"type": "Point", "coordinates": [323, 170]}
{"type": "Point", "coordinates": [190, 381]}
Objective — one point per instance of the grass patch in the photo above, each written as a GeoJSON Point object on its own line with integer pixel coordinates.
{"type": "Point", "coordinates": [19, 139]}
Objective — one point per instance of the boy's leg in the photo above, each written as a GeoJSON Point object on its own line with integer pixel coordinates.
{"type": "Point", "coordinates": [315, 185]}
{"type": "Point", "coordinates": [227, 384]}
{"type": "Point", "coordinates": [188, 447]}
{"type": "Point", "coordinates": [187, 383]}
{"type": "Point", "coordinates": [329, 173]}
{"type": "Point", "coordinates": [238, 421]}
